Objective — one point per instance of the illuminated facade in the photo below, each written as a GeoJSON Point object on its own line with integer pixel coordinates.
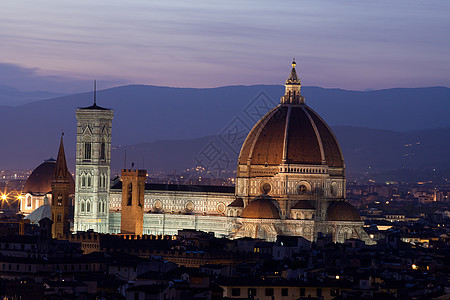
{"type": "Point", "coordinates": [290, 181]}
{"type": "Point", "coordinates": [93, 163]}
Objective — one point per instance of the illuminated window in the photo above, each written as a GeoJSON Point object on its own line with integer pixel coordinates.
{"type": "Point", "coordinates": [29, 201]}
{"type": "Point", "coordinates": [251, 292]}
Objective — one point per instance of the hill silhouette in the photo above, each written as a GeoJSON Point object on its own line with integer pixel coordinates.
{"type": "Point", "coordinates": [145, 114]}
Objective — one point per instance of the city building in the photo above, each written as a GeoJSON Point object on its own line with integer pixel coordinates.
{"type": "Point", "coordinates": [290, 181]}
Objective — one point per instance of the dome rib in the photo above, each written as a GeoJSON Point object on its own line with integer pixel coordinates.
{"type": "Point", "coordinates": [316, 131]}
{"type": "Point", "coordinates": [332, 150]}
{"type": "Point", "coordinates": [286, 131]}
{"type": "Point", "coordinates": [248, 146]}
{"type": "Point", "coordinates": [302, 144]}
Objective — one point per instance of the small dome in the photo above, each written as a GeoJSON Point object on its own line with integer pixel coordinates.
{"type": "Point", "coordinates": [342, 211]}
{"type": "Point", "coordinates": [40, 180]}
{"type": "Point", "coordinates": [261, 207]}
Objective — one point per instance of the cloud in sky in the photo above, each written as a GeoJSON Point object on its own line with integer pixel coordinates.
{"type": "Point", "coordinates": [347, 44]}
{"type": "Point", "coordinates": [29, 79]}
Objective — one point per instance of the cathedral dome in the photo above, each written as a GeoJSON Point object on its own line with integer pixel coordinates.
{"type": "Point", "coordinates": [291, 133]}
{"type": "Point", "coordinates": [342, 211]}
{"type": "Point", "coordinates": [261, 207]}
{"type": "Point", "coordinates": [40, 180]}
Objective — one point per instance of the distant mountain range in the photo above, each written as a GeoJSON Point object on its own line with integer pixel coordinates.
{"type": "Point", "coordinates": [364, 149]}
{"type": "Point", "coordinates": [10, 96]}
{"type": "Point", "coordinates": [147, 114]}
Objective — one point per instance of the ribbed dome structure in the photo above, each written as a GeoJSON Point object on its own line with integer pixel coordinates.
{"type": "Point", "coordinates": [342, 211]}
{"type": "Point", "coordinates": [261, 207]}
{"type": "Point", "coordinates": [40, 180]}
{"type": "Point", "coordinates": [291, 133]}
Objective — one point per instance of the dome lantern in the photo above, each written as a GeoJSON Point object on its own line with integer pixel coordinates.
{"type": "Point", "coordinates": [293, 85]}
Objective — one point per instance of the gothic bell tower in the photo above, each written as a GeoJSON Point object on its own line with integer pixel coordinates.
{"type": "Point", "coordinates": [60, 195]}
{"type": "Point", "coordinates": [93, 164]}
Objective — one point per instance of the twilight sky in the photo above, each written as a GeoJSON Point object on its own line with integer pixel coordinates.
{"type": "Point", "coordinates": [62, 45]}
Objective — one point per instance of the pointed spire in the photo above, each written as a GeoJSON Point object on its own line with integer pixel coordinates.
{"type": "Point", "coordinates": [94, 105]}
{"type": "Point", "coordinates": [293, 78]}
{"type": "Point", "coordinates": [292, 88]}
{"type": "Point", "coordinates": [61, 171]}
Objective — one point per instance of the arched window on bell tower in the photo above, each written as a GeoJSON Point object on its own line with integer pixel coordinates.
{"type": "Point", "coordinates": [87, 150]}
{"type": "Point", "coordinates": [102, 151]}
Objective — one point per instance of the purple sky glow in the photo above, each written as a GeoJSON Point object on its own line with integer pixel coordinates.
{"type": "Point", "coordinates": [63, 45]}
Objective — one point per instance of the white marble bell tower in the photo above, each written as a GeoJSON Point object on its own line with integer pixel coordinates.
{"type": "Point", "coordinates": [93, 163]}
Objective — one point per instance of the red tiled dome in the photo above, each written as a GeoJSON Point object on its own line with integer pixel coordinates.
{"type": "Point", "coordinates": [40, 180]}
{"type": "Point", "coordinates": [261, 207]}
{"type": "Point", "coordinates": [294, 134]}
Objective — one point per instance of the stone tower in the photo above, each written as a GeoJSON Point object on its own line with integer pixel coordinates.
{"type": "Point", "coordinates": [60, 195]}
{"type": "Point", "coordinates": [133, 189]}
{"type": "Point", "coordinates": [93, 161]}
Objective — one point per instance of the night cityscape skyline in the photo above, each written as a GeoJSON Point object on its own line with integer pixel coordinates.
{"type": "Point", "coordinates": [204, 168]}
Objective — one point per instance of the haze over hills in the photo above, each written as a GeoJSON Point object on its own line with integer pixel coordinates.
{"type": "Point", "coordinates": [364, 149]}
{"type": "Point", "coordinates": [145, 114]}
{"type": "Point", "coordinates": [13, 97]}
